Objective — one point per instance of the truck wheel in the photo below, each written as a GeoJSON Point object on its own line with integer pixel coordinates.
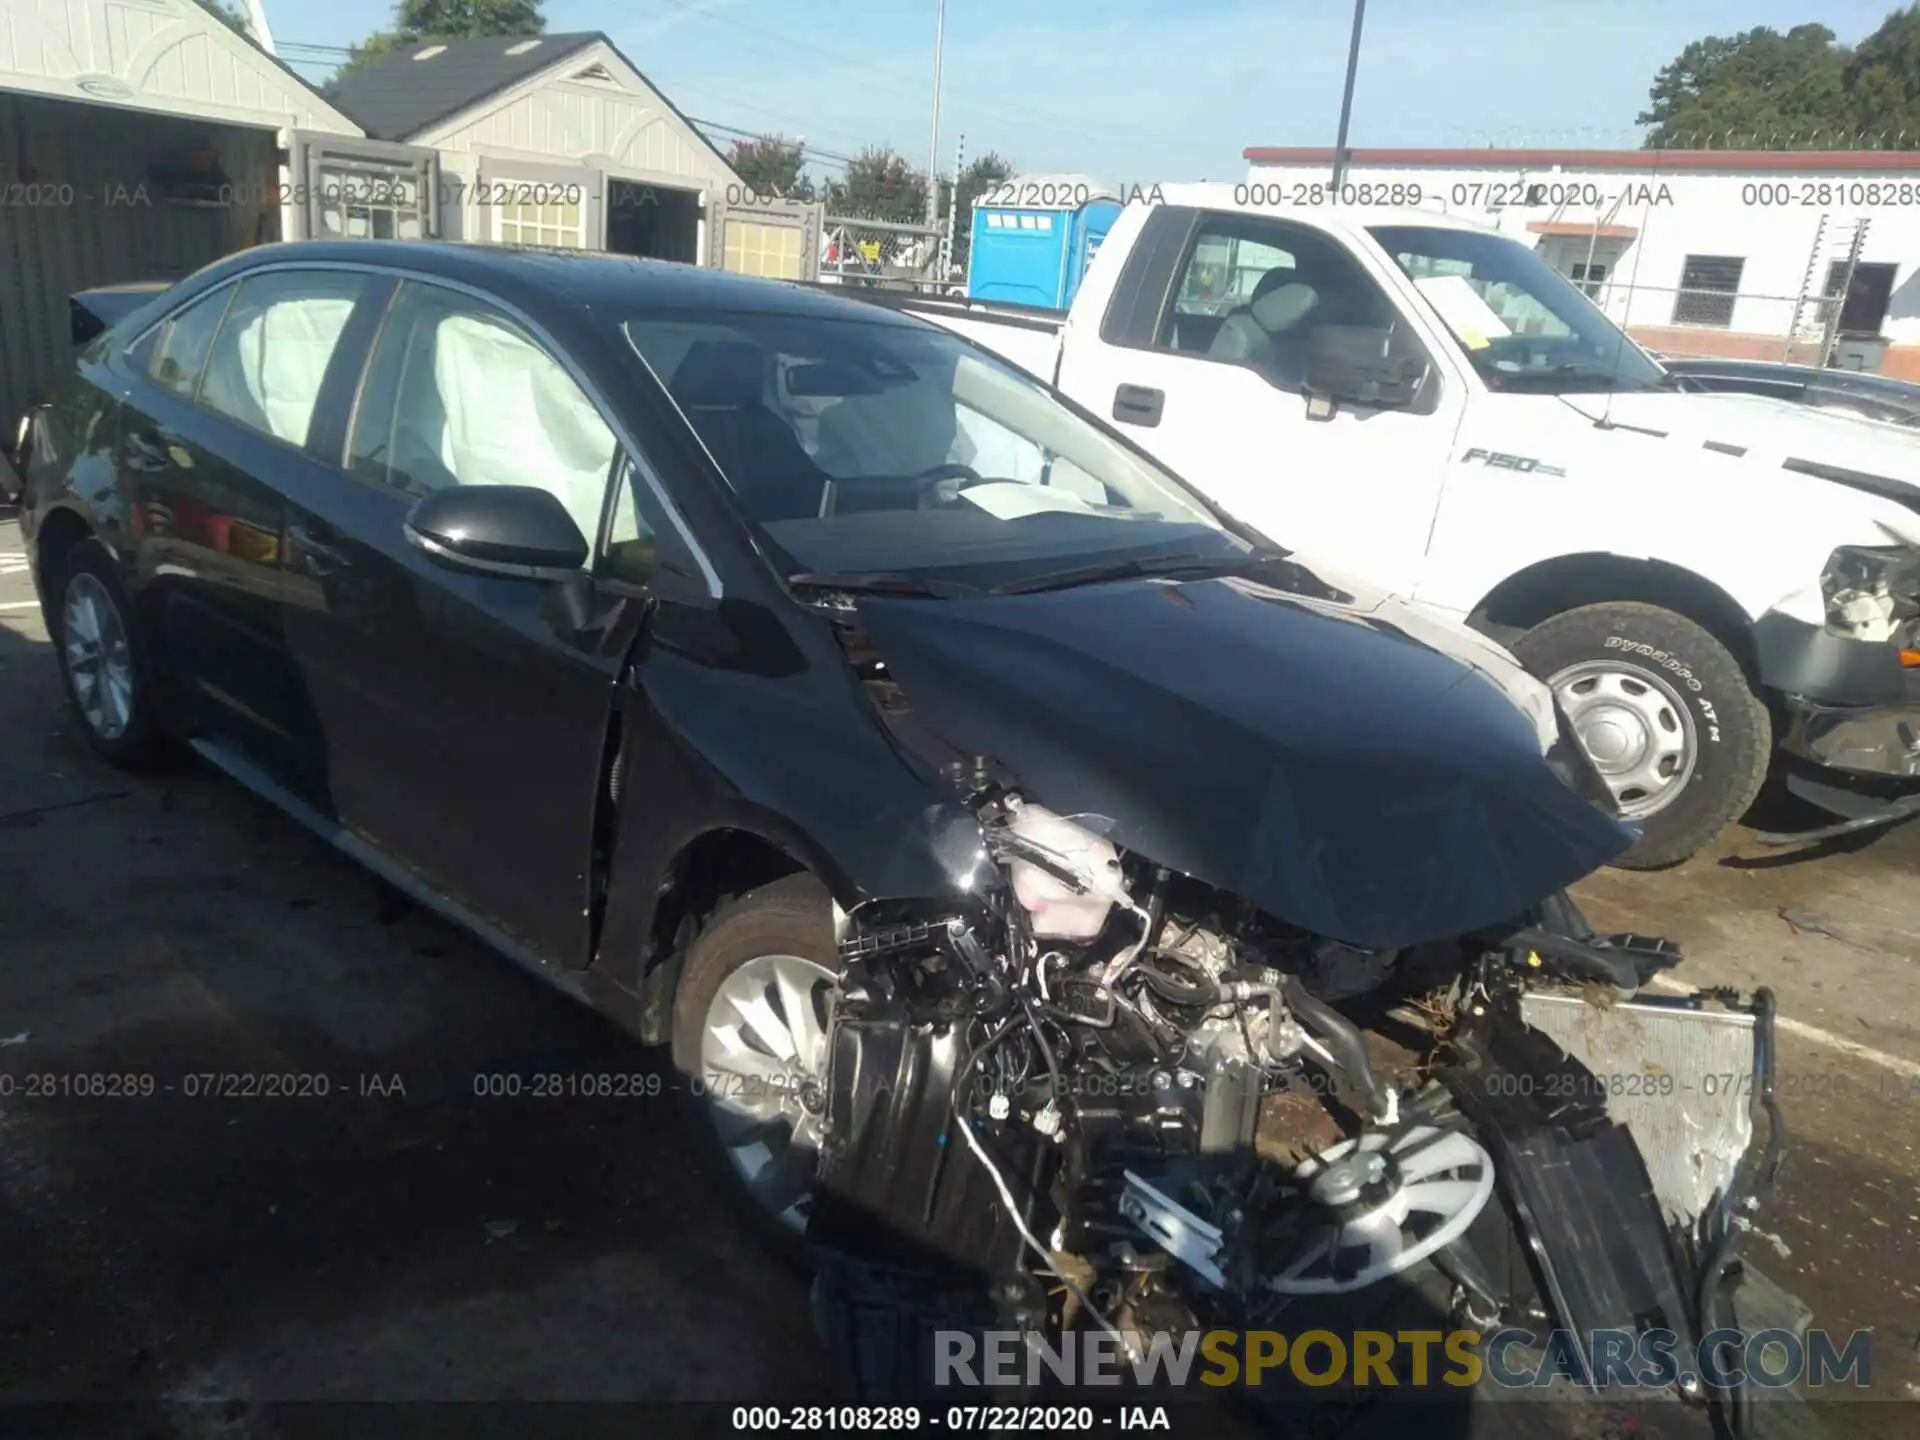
{"type": "Point", "coordinates": [1667, 715]}
{"type": "Point", "coordinates": [750, 1017]}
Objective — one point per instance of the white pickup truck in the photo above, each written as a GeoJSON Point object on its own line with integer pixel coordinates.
{"type": "Point", "coordinates": [1429, 406]}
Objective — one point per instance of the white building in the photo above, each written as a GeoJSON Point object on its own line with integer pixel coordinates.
{"type": "Point", "coordinates": [139, 140]}
{"type": "Point", "coordinates": [558, 140]}
{"type": "Point", "coordinates": [143, 139]}
{"type": "Point", "coordinates": [1749, 254]}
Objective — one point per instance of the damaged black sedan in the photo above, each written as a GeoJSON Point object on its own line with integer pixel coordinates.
{"type": "Point", "coordinates": [1034, 872]}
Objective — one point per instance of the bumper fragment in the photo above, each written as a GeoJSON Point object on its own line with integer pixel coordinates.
{"type": "Point", "coordinates": [1863, 739]}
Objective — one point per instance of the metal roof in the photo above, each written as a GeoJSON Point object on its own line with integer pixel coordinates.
{"type": "Point", "coordinates": [404, 92]}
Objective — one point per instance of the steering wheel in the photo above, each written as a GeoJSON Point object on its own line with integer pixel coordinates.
{"type": "Point", "coordinates": [927, 483]}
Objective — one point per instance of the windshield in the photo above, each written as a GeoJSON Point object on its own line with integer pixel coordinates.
{"type": "Point", "coordinates": [876, 447]}
{"type": "Point", "coordinates": [1522, 323]}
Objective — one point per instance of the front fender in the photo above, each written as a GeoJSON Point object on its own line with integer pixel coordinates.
{"type": "Point", "coordinates": [1760, 534]}
{"type": "Point", "coordinates": [789, 754]}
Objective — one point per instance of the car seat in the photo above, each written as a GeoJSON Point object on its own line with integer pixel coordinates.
{"type": "Point", "coordinates": [1279, 305]}
{"type": "Point", "coordinates": [721, 386]}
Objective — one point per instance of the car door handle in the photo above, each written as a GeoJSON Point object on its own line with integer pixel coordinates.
{"type": "Point", "coordinates": [1138, 405]}
{"type": "Point", "coordinates": [318, 548]}
{"type": "Point", "coordinates": [147, 451]}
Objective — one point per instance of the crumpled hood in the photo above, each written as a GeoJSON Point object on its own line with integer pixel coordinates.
{"type": "Point", "coordinates": [1771, 433]}
{"type": "Point", "coordinates": [1312, 758]}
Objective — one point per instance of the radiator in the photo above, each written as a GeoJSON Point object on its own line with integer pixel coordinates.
{"type": "Point", "coordinates": [1681, 1080]}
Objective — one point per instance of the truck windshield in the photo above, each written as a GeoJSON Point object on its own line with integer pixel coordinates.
{"type": "Point", "coordinates": [882, 447]}
{"type": "Point", "coordinates": [1524, 325]}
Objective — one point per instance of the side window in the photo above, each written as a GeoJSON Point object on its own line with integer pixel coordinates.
{"type": "Point", "coordinates": [458, 394]}
{"type": "Point", "coordinates": [1253, 292]}
{"type": "Point", "coordinates": [267, 365]}
{"type": "Point", "coordinates": [631, 542]}
{"type": "Point", "coordinates": [180, 349]}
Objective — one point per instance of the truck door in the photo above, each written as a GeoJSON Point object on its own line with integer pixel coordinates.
{"type": "Point", "coordinates": [1203, 363]}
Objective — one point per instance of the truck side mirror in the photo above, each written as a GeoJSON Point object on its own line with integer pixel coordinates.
{"type": "Point", "coordinates": [1357, 365]}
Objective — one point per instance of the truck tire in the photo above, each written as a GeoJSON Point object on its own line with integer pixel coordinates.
{"type": "Point", "coordinates": [1666, 713]}
{"type": "Point", "coordinates": [753, 986]}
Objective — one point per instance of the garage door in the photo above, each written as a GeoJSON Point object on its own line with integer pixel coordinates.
{"type": "Point", "coordinates": [98, 196]}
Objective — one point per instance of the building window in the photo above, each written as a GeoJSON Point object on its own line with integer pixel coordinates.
{"type": "Point", "coordinates": [775, 251]}
{"type": "Point", "coordinates": [1590, 278]}
{"type": "Point", "coordinates": [370, 202]}
{"type": "Point", "coordinates": [1708, 284]}
{"type": "Point", "coordinates": [551, 227]}
{"type": "Point", "coordinates": [1868, 293]}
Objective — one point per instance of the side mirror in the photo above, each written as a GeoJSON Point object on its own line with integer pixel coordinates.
{"type": "Point", "coordinates": [512, 530]}
{"type": "Point", "coordinates": [1356, 364]}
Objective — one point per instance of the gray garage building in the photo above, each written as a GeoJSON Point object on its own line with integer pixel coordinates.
{"type": "Point", "coordinates": [139, 139]}
{"type": "Point", "coordinates": [558, 140]}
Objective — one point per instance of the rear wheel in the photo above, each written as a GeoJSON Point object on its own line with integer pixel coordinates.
{"type": "Point", "coordinates": [1666, 714]}
{"type": "Point", "coordinates": [106, 675]}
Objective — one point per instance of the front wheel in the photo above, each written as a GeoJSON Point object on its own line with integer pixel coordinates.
{"type": "Point", "coordinates": [751, 1017]}
{"type": "Point", "coordinates": [1667, 715]}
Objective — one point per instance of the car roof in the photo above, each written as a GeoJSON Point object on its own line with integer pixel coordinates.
{"type": "Point", "coordinates": [587, 277]}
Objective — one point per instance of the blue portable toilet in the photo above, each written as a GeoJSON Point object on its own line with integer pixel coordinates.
{"type": "Point", "coordinates": [1034, 236]}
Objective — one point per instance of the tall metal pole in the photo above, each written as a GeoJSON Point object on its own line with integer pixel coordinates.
{"type": "Point", "coordinates": [933, 144]}
{"type": "Point", "coordinates": [1346, 99]}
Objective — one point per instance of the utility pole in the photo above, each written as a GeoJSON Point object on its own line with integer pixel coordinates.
{"type": "Point", "coordinates": [953, 211]}
{"type": "Point", "coordinates": [933, 145]}
{"type": "Point", "coordinates": [1346, 99]}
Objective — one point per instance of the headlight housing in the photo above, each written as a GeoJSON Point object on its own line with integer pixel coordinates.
{"type": "Point", "coordinates": [1872, 592]}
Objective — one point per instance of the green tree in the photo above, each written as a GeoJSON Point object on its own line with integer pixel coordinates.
{"type": "Point", "coordinates": [977, 179]}
{"type": "Point", "coordinates": [1883, 80]}
{"type": "Point", "coordinates": [1751, 90]}
{"type": "Point", "coordinates": [880, 184]}
{"type": "Point", "coordinates": [771, 165]}
{"type": "Point", "coordinates": [227, 13]}
{"type": "Point", "coordinates": [415, 20]}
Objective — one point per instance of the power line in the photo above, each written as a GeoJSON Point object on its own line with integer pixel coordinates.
{"type": "Point", "coordinates": [1017, 115]}
{"type": "Point", "coordinates": [737, 132]}
{"type": "Point", "coordinates": [855, 135]}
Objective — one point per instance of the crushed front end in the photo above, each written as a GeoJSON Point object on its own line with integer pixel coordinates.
{"type": "Point", "coordinates": [1086, 1093]}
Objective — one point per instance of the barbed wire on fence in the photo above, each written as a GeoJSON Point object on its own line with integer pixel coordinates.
{"type": "Point", "coordinates": [1592, 137]}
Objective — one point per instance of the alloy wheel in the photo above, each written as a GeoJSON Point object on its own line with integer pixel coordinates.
{"type": "Point", "coordinates": [763, 1055]}
{"type": "Point", "coordinates": [99, 659]}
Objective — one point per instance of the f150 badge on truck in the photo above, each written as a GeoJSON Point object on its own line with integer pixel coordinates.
{"type": "Point", "coordinates": [1511, 462]}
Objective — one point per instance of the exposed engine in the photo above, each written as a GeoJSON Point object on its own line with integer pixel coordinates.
{"type": "Point", "coordinates": [1130, 1091]}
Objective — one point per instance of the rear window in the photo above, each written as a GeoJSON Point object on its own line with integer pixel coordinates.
{"type": "Point", "coordinates": [180, 350]}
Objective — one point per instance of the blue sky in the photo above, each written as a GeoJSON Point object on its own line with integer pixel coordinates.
{"type": "Point", "coordinates": [1137, 91]}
